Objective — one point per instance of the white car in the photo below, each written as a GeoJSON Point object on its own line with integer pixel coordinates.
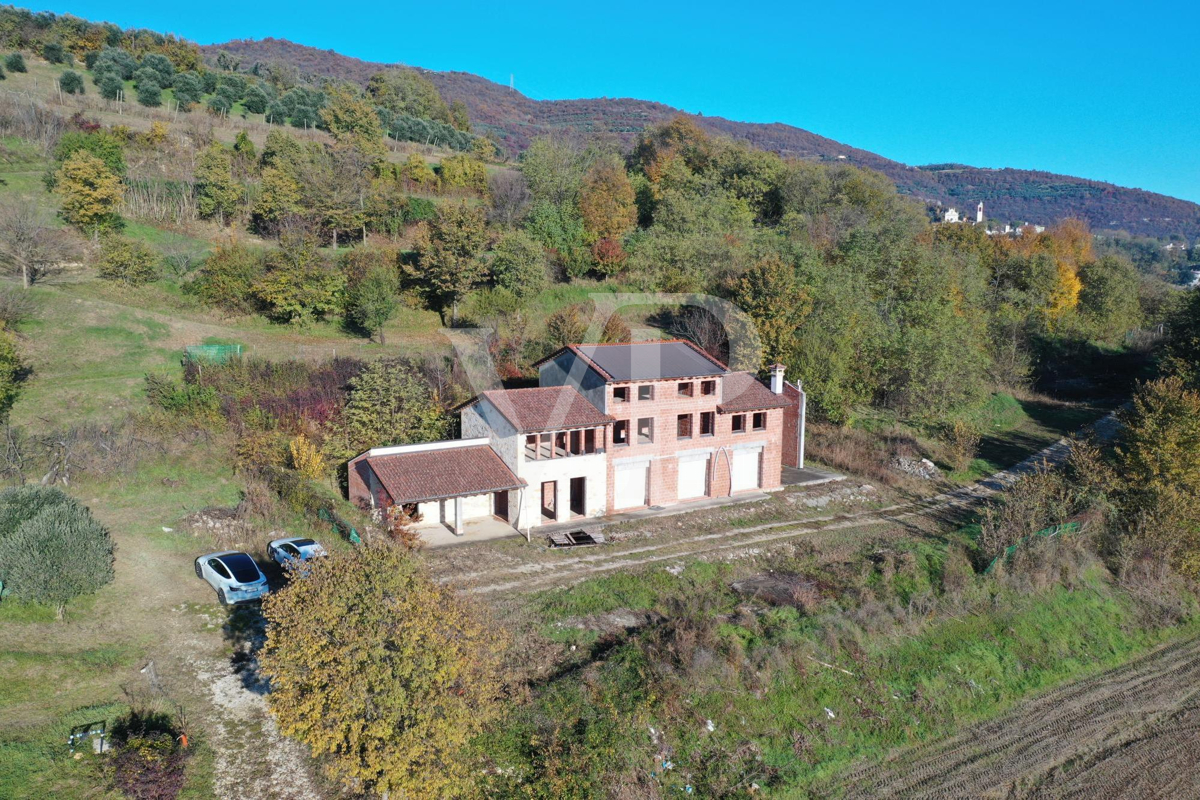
{"type": "Point", "coordinates": [234, 575]}
{"type": "Point", "coordinates": [285, 551]}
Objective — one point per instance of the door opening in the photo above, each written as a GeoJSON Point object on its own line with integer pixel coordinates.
{"type": "Point", "coordinates": [550, 501]}
{"type": "Point", "coordinates": [578, 497]}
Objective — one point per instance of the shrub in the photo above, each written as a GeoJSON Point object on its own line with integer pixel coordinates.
{"type": "Point", "coordinates": [71, 82]}
{"type": "Point", "coordinates": [110, 86]}
{"type": "Point", "coordinates": [519, 264]}
{"type": "Point", "coordinates": [226, 279]}
{"type": "Point", "coordinates": [149, 93]}
{"type": "Point", "coordinates": [54, 52]}
{"type": "Point", "coordinates": [58, 555]}
{"type": "Point", "coordinates": [23, 503]}
{"type": "Point", "coordinates": [306, 458]}
{"type": "Point", "coordinates": [16, 306]}
{"type": "Point", "coordinates": [182, 399]}
{"type": "Point", "coordinates": [128, 261]}
{"type": "Point", "coordinates": [148, 762]}
{"type": "Point", "coordinates": [15, 63]}
{"type": "Point", "coordinates": [10, 371]}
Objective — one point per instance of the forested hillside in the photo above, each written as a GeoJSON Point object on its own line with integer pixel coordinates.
{"type": "Point", "coordinates": [1010, 195]}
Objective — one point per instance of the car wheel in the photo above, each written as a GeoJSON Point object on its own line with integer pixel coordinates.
{"type": "Point", "coordinates": [221, 597]}
{"type": "Point", "coordinates": [199, 574]}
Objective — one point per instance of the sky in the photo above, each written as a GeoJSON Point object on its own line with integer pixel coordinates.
{"type": "Point", "coordinates": [1101, 90]}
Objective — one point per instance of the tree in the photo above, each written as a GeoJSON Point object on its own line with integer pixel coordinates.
{"type": "Point", "coordinates": [1159, 459]}
{"type": "Point", "coordinates": [519, 264]}
{"type": "Point", "coordinates": [217, 193]}
{"type": "Point", "coordinates": [228, 278]}
{"type": "Point", "coordinates": [450, 257]}
{"type": "Point", "coordinates": [15, 62]}
{"type": "Point", "coordinates": [463, 172]}
{"type": "Point", "coordinates": [71, 82]}
{"type": "Point", "coordinates": [510, 197]}
{"type": "Point", "coordinates": [1109, 298]}
{"type": "Point", "coordinates": [56, 556]}
{"type": "Point", "coordinates": [11, 367]}
{"type": "Point", "coordinates": [1182, 351]}
{"type": "Point", "coordinates": [459, 117]}
{"type": "Point", "coordinates": [20, 504]}
{"type": "Point", "coordinates": [91, 193]}
{"type": "Point", "coordinates": [188, 89]}
{"type": "Point", "coordinates": [161, 66]}
{"type": "Point", "coordinates": [256, 100]}
{"type": "Point", "coordinates": [775, 300]}
{"type": "Point", "coordinates": [389, 403]}
{"type": "Point", "coordinates": [244, 147]}
{"type": "Point", "coordinates": [127, 261]}
{"type": "Point", "coordinates": [371, 300]}
{"type": "Point", "coordinates": [29, 246]}
{"type": "Point", "coordinates": [298, 284]}
{"type": "Point", "coordinates": [406, 91]}
{"type": "Point", "coordinates": [353, 121]}
{"type": "Point", "coordinates": [607, 201]}
{"type": "Point", "coordinates": [54, 52]}
{"type": "Point", "coordinates": [383, 673]}
{"type": "Point", "coordinates": [149, 93]}
{"type": "Point", "coordinates": [567, 326]}
{"type": "Point", "coordinates": [111, 86]}
{"type": "Point", "coordinates": [279, 197]}
{"type": "Point", "coordinates": [104, 146]}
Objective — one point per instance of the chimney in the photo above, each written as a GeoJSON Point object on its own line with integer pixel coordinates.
{"type": "Point", "coordinates": [777, 378]}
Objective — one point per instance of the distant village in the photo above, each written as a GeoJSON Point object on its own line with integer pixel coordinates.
{"type": "Point", "coordinates": [953, 216]}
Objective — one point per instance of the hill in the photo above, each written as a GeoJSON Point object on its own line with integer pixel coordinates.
{"type": "Point", "coordinates": [1009, 195]}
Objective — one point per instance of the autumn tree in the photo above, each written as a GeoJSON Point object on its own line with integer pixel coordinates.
{"type": "Point", "coordinates": [353, 121]}
{"type": "Point", "coordinates": [389, 403]}
{"type": "Point", "coordinates": [450, 255]}
{"type": "Point", "coordinates": [279, 197]}
{"type": "Point", "coordinates": [770, 293]}
{"type": "Point", "coordinates": [298, 284]}
{"type": "Point", "coordinates": [384, 673]}
{"type": "Point", "coordinates": [217, 193]}
{"type": "Point", "coordinates": [91, 193]}
{"type": "Point", "coordinates": [607, 205]}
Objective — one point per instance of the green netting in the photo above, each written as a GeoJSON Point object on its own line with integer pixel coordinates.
{"type": "Point", "coordinates": [1056, 530]}
{"type": "Point", "coordinates": [212, 353]}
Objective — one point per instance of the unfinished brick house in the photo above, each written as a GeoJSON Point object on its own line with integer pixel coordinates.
{"type": "Point", "coordinates": [611, 428]}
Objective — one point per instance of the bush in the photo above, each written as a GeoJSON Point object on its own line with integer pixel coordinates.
{"type": "Point", "coordinates": [148, 763]}
{"type": "Point", "coordinates": [54, 52]}
{"type": "Point", "coordinates": [110, 86]}
{"type": "Point", "coordinates": [182, 399]}
{"type": "Point", "coordinates": [149, 93]}
{"type": "Point", "coordinates": [16, 306]}
{"type": "Point", "coordinates": [23, 503]}
{"type": "Point", "coordinates": [58, 555]}
{"type": "Point", "coordinates": [128, 261]}
{"type": "Point", "coordinates": [71, 82]}
{"type": "Point", "coordinates": [15, 63]}
{"type": "Point", "coordinates": [227, 278]}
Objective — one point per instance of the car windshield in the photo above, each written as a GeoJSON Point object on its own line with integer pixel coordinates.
{"type": "Point", "coordinates": [242, 567]}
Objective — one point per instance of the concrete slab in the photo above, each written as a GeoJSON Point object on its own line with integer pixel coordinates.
{"type": "Point", "coordinates": [808, 476]}
{"type": "Point", "coordinates": [480, 529]}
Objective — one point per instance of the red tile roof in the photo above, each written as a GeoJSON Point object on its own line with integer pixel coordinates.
{"type": "Point", "coordinates": [437, 474]}
{"type": "Point", "coordinates": [544, 408]}
{"type": "Point", "coordinates": [741, 391]}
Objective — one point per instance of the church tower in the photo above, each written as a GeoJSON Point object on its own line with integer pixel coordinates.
{"type": "Point", "coordinates": [979, 212]}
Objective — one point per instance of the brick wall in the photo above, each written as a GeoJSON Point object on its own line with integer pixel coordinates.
{"type": "Point", "coordinates": [663, 451]}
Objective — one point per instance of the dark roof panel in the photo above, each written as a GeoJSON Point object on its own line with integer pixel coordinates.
{"type": "Point", "coordinates": [648, 361]}
{"type": "Point", "coordinates": [437, 474]}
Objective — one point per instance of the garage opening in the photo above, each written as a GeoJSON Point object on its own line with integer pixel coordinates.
{"type": "Point", "coordinates": [693, 477]}
{"type": "Point", "coordinates": [500, 505]}
{"type": "Point", "coordinates": [746, 470]}
{"type": "Point", "coordinates": [631, 483]}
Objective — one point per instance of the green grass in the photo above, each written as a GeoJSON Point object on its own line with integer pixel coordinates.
{"type": "Point", "coordinates": [763, 692]}
{"type": "Point", "coordinates": [37, 764]}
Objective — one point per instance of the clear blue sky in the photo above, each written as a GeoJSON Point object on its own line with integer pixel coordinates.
{"type": "Point", "coordinates": [1101, 89]}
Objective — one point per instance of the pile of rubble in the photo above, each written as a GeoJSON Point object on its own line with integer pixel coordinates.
{"type": "Point", "coordinates": [921, 468]}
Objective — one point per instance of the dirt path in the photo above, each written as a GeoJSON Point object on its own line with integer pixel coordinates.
{"type": "Point", "coordinates": [534, 576]}
{"type": "Point", "coordinates": [1130, 732]}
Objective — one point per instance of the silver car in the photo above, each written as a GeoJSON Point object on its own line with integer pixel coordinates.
{"type": "Point", "coordinates": [293, 550]}
{"type": "Point", "coordinates": [234, 575]}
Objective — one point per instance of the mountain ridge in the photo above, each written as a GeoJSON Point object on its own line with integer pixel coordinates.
{"type": "Point", "coordinates": [1009, 194]}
